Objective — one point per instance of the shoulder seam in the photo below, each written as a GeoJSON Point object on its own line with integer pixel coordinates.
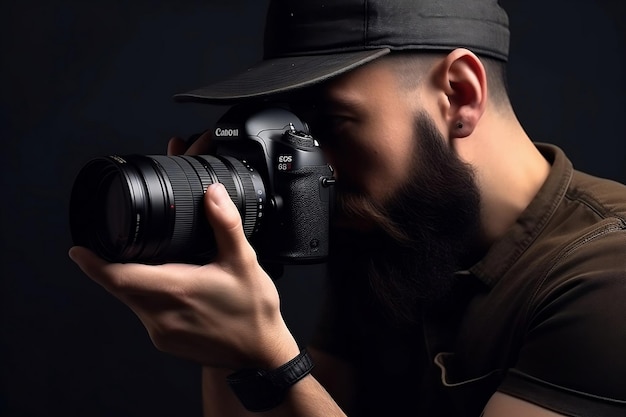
{"type": "Point", "coordinates": [618, 225]}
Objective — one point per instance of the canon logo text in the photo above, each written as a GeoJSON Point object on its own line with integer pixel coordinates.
{"type": "Point", "coordinates": [226, 132]}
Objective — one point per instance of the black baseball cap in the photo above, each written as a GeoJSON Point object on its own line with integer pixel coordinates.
{"type": "Point", "coordinates": [310, 41]}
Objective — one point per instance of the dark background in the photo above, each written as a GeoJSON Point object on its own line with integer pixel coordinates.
{"type": "Point", "coordinates": [85, 79]}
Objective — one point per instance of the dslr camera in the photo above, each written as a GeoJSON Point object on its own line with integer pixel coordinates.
{"type": "Point", "coordinates": [149, 208]}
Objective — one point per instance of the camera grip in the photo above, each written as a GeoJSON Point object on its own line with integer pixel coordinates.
{"type": "Point", "coordinates": [305, 214]}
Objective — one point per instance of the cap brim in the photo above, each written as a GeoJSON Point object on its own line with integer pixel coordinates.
{"type": "Point", "coordinates": [280, 75]}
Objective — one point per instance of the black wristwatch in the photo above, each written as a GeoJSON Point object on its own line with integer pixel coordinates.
{"type": "Point", "coordinates": [262, 389]}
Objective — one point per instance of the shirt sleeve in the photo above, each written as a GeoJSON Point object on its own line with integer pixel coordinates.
{"type": "Point", "coordinates": [573, 360]}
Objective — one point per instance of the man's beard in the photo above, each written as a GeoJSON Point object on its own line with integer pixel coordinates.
{"type": "Point", "coordinates": [421, 234]}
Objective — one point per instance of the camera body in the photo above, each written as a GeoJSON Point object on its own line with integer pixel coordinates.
{"type": "Point", "coordinates": [149, 208]}
{"type": "Point", "coordinates": [295, 209]}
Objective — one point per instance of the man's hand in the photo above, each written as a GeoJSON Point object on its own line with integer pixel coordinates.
{"type": "Point", "coordinates": [224, 314]}
{"type": "Point", "coordinates": [202, 145]}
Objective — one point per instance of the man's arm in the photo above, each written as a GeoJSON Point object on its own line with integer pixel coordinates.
{"type": "Point", "coordinates": [217, 397]}
{"type": "Point", "coordinates": [334, 374]}
{"type": "Point", "coordinates": [337, 377]}
{"type": "Point", "coordinates": [305, 398]}
{"type": "Point", "coordinates": [504, 405]}
{"type": "Point", "coordinates": [222, 315]}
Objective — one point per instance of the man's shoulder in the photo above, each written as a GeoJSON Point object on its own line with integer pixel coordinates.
{"type": "Point", "coordinates": [587, 229]}
{"type": "Point", "coordinates": [583, 244]}
{"type": "Point", "coordinates": [606, 197]}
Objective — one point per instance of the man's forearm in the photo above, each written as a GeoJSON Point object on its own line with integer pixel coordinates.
{"type": "Point", "coordinates": [217, 397]}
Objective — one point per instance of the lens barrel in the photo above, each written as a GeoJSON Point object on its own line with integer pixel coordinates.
{"type": "Point", "coordinates": [149, 208]}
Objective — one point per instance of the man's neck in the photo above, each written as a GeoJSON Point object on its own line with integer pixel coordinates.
{"type": "Point", "coordinates": [509, 171]}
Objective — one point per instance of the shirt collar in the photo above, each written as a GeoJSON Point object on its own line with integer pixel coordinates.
{"type": "Point", "coordinates": [504, 253]}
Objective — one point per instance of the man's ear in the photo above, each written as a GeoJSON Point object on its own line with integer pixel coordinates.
{"type": "Point", "coordinates": [462, 77]}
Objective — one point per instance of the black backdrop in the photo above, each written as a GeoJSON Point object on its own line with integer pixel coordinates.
{"type": "Point", "coordinates": [83, 79]}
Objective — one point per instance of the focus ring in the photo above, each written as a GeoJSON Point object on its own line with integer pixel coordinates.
{"type": "Point", "coordinates": [205, 176]}
{"type": "Point", "coordinates": [250, 207]}
{"type": "Point", "coordinates": [217, 167]}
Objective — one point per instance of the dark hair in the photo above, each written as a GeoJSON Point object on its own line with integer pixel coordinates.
{"type": "Point", "coordinates": [410, 67]}
{"type": "Point", "coordinates": [497, 80]}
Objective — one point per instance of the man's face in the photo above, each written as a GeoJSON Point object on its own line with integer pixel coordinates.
{"type": "Point", "coordinates": [408, 206]}
{"type": "Point", "coordinates": [366, 132]}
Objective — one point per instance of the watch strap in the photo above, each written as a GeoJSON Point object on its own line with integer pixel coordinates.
{"type": "Point", "coordinates": [262, 389]}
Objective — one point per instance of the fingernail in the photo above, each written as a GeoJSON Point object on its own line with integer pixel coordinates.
{"type": "Point", "coordinates": [71, 254]}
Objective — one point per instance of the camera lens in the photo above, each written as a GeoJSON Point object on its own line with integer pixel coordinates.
{"type": "Point", "coordinates": [139, 208]}
{"type": "Point", "coordinates": [117, 219]}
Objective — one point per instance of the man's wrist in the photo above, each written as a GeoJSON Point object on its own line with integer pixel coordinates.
{"type": "Point", "coordinates": [262, 389]}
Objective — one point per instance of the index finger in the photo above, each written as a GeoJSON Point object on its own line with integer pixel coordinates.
{"type": "Point", "coordinates": [202, 145]}
{"type": "Point", "coordinates": [124, 278]}
{"type": "Point", "coordinates": [176, 146]}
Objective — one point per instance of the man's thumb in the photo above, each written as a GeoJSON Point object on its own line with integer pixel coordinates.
{"type": "Point", "coordinates": [225, 221]}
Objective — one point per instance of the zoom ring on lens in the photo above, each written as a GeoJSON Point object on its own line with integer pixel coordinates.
{"type": "Point", "coordinates": [206, 177]}
{"type": "Point", "coordinates": [225, 177]}
{"type": "Point", "coordinates": [185, 198]}
{"type": "Point", "coordinates": [250, 207]}
{"type": "Point", "coordinates": [228, 177]}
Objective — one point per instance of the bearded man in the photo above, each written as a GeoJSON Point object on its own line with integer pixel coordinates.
{"type": "Point", "coordinates": [473, 271]}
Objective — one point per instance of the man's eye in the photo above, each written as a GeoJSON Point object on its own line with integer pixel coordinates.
{"type": "Point", "coordinates": [337, 121]}
{"type": "Point", "coordinates": [331, 123]}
